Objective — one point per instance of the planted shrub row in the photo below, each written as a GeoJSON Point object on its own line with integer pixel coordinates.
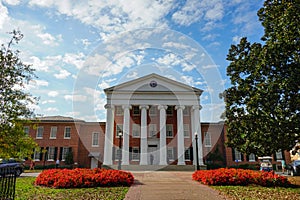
{"type": "Point", "coordinates": [225, 176]}
{"type": "Point", "coordinates": [80, 178]}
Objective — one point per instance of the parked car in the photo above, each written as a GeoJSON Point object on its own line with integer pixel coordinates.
{"type": "Point", "coordinates": [293, 168]}
{"type": "Point", "coordinates": [265, 163]}
{"type": "Point", "coordinates": [9, 166]}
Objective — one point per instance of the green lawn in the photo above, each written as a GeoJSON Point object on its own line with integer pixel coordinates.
{"type": "Point", "coordinates": [258, 192]}
{"type": "Point", "coordinates": [26, 190]}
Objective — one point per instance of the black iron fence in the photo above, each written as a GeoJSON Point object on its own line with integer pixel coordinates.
{"type": "Point", "coordinates": [7, 183]}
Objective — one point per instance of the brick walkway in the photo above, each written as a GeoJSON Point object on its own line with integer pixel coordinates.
{"type": "Point", "coordinates": [168, 186]}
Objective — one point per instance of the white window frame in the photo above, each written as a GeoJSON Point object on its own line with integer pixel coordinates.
{"type": "Point", "coordinates": [152, 131]}
{"type": "Point", "coordinates": [53, 132]}
{"type": "Point", "coordinates": [65, 151]}
{"type": "Point", "coordinates": [153, 111]}
{"type": "Point", "coordinates": [172, 157]}
{"type": "Point", "coordinates": [187, 150]}
{"type": "Point", "coordinates": [39, 135]}
{"type": "Point", "coordinates": [95, 139]}
{"type": "Point", "coordinates": [169, 129]}
{"type": "Point", "coordinates": [51, 153]}
{"type": "Point", "coordinates": [252, 157]}
{"type": "Point", "coordinates": [237, 155]}
{"type": "Point", "coordinates": [135, 155]}
{"type": "Point", "coordinates": [186, 111]}
{"type": "Point", "coordinates": [186, 130]}
{"type": "Point", "coordinates": [119, 111]}
{"type": "Point", "coordinates": [36, 155]}
{"type": "Point", "coordinates": [207, 139]}
{"type": "Point", "coordinates": [65, 132]}
{"type": "Point", "coordinates": [136, 131]}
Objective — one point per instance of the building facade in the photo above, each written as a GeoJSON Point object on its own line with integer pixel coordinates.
{"type": "Point", "coordinates": [153, 119]}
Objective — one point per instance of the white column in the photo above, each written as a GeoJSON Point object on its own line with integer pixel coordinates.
{"type": "Point", "coordinates": [180, 136]}
{"type": "Point", "coordinates": [162, 138]}
{"type": "Point", "coordinates": [109, 134]}
{"type": "Point", "coordinates": [125, 149]}
{"type": "Point", "coordinates": [197, 125]}
{"type": "Point", "coordinates": [144, 145]}
{"type": "Point", "coordinates": [193, 134]}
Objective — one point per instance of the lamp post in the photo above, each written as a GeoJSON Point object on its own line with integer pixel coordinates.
{"type": "Point", "coordinates": [120, 134]}
{"type": "Point", "coordinates": [197, 156]}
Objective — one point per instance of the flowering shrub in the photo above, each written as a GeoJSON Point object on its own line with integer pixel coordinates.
{"type": "Point", "coordinates": [225, 176]}
{"type": "Point", "coordinates": [79, 178]}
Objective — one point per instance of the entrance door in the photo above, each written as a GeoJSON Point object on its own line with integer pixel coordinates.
{"type": "Point", "coordinates": [94, 163]}
{"type": "Point", "coordinates": [153, 155]}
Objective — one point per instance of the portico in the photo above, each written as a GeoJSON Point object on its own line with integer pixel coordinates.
{"type": "Point", "coordinates": [158, 117]}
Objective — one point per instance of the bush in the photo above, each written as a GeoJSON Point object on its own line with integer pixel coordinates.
{"type": "Point", "coordinates": [225, 176]}
{"type": "Point", "coordinates": [80, 178]}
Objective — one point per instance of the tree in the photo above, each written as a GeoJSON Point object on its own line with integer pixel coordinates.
{"type": "Point", "coordinates": [14, 75]}
{"type": "Point", "coordinates": [263, 103]}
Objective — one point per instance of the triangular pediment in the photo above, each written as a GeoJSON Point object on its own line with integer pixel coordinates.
{"type": "Point", "coordinates": [152, 83]}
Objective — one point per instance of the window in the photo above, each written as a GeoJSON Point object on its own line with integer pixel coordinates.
{"type": "Point", "coordinates": [187, 153]}
{"type": "Point", "coordinates": [170, 153]}
{"type": "Point", "coordinates": [252, 157]}
{"type": "Point", "coordinates": [153, 111]}
{"type": "Point", "coordinates": [51, 153]}
{"type": "Point", "coordinates": [186, 111]}
{"type": "Point", "coordinates": [39, 132]}
{"type": "Point", "coordinates": [95, 139]}
{"type": "Point", "coordinates": [53, 132]}
{"type": "Point", "coordinates": [169, 130]}
{"type": "Point", "coordinates": [136, 130]}
{"type": "Point", "coordinates": [279, 156]}
{"type": "Point", "coordinates": [135, 110]}
{"type": "Point", "coordinates": [186, 130]}
{"type": "Point", "coordinates": [135, 153]}
{"type": "Point", "coordinates": [65, 151]}
{"type": "Point", "coordinates": [152, 130]}
{"type": "Point", "coordinates": [207, 139]}
{"type": "Point", "coordinates": [119, 111]}
{"type": "Point", "coordinates": [37, 155]}
{"type": "Point", "coordinates": [26, 130]}
{"type": "Point", "coordinates": [170, 110]}
{"type": "Point", "coordinates": [237, 155]}
{"type": "Point", "coordinates": [67, 132]}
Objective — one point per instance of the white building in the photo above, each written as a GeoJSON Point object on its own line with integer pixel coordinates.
{"type": "Point", "coordinates": [158, 118]}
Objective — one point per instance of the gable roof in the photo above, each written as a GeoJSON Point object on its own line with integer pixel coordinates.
{"type": "Point", "coordinates": [150, 77]}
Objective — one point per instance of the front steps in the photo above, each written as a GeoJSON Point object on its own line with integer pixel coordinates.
{"type": "Point", "coordinates": [154, 167]}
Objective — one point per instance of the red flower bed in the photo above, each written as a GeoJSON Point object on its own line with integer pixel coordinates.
{"type": "Point", "coordinates": [79, 178]}
{"type": "Point", "coordinates": [225, 176]}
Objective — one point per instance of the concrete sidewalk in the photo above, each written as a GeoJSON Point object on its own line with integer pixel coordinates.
{"type": "Point", "coordinates": [163, 185]}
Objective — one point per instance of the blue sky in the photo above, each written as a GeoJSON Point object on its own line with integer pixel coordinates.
{"type": "Point", "coordinates": [78, 48]}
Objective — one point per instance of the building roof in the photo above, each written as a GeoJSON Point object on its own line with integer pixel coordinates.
{"type": "Point", "coordinates": [153, 76]}
{"type": "Point", "coordinates": [57, 118]}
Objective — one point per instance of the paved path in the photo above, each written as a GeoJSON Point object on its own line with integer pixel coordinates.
{"type": "Point", "coordinates": [169, 186]}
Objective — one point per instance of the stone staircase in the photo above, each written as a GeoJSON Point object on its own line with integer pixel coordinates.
{"type": "Point", "coordinates": [154, 167]}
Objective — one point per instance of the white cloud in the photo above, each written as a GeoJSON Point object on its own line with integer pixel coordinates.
{"type": "Point", "coordinates": [74, 59]}
{"type": "Point", "coordinates": [35, 84]}
{"type": "Point", "coordinates": [236, 39]}
{"type": "Point", "coordinates": [52, 93]}
{"type": "Point", "coordinates": [3, 15]}
{"type": "Point", "coordinates": [12, 2]}
{"type": "Point", "coordinates": [194, 11]}
{"type": "Point", "coordinates": [76, 97]}
{"type": "Point", "coordinates": [48, 101]}
{"type": "Point", "coordinates": [63, 74]}
{"type": "Point", "coordinates": [51, 109]}
{"type": "Point", "coordinates": [132, 75]}
{"type": "Point", "coordinates": [49, 39]}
